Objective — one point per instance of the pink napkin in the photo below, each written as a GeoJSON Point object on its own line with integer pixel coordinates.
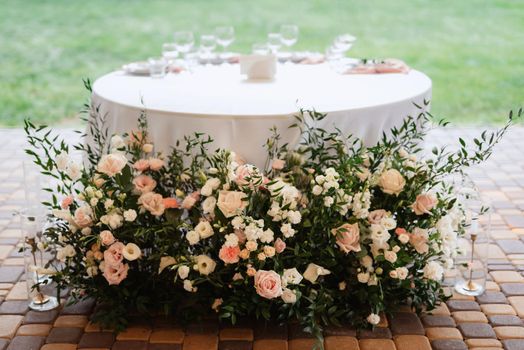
{"type": "Point", "coordinates": [313, 60]}
{"type": "Point", "coordinates": [389, 65]}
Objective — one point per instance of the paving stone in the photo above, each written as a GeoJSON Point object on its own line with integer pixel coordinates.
{"type": "Point", "coordinates": [203, 327]}
{"type": "Point", "coordinates": [159, 346]}
{"type": "Point", "coordinates": [463, 305]}
{"type": "Point", "coordinates": [518, 305]}
{"type": "Point", "coordinates": [34, 329]}
{"type": "Point", "coordinates": [62, 347]}
{"type": "Point", "coordinates": [490, 285]}
{"type": "Point", "coordinates": [233, 345]}
{"type": "Point", "coordinates": [301, 343]}
{"type": "Point", "coordinates": [476, 330]}
{"type": "Point", "coordinates": [509, 332]}
{"type": "Point", "coordinates": [443, 333]}
{"type": "Point", "coordinates": [94, 327]}
{"type": "Point", "coordinates": [498, 309]}
{"type": "Point", "coordinates": [505, 320]}
{"type": "Point", "coordinates": [14, 307]}
{"type": "Point", "coordinates": [9, 324]}
{"type": "Point", "coordinates": [273, 344]}
{"type": "Point", "coordinates": [412, 342]}
{"type": "Point", "coordinates": [483, 343]}
{"type": "Point", "coordinates": [130, 345]}
{"type": "Point", "coordinates": [10, 274]}
{"type": "Point", "coordinates": [236, 334]}
{"type": "Point", "coordinates": [64, 335]}
{"type": "Point", "coordinates": [199, 342]}
{"type": "Point", "coordinates": [296, 331]}
{"type": "Point", "coordinates": [512, 289]}
{"type": "Point", "coordinates": [376, 333]}
{"type": "Point", "coordinates": [491, 297]}
{"type": "Point", "coordinates": [340, 343]}
{"type": "Point", "coordinates": [340, 331]}
{"type": "Point", "coordinates": [506, 276]}
{"type": "Point", "coordinates": [511, 246]}
{"type": "Point", "coordinates": [3, 344]}
{"type": "Point", "coordinates": [71, 321]}
{"type": "Point", "coordinates": [448, 344]}
{"type": "Point", "coordinates": [469, 317]}
{"type": "Point", "coordinates": [138, 333]}
{"type": "Point", "coordinates": [40, 316]}
{"type": "Point", "coordinates": [26, 343]}
{"type": "Point", "coordinates": [497, 267]}
{"type": "Point", "coordinates": [438, 321]}
{"type": "Point", "coordinates": [96, 340]}
{"type": "Point", "coordinates": [403, 323]}
{"type": "Point", "coordinates": [374, 344]}
{"type": "Point", "coordinates": [513, 344]}
{"type": "Point", "coordinates": [266, 330]}
{"type": "Point", "coordinates": [167, 336]}
{"type": "Point", "coordinates": [441, 310]}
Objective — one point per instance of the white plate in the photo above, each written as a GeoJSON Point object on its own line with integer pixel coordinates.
{"type": "Point", "coordinates": [137, 68]}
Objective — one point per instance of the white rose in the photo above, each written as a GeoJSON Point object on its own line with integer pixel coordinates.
{"type": "Point", "coordinates": [328, 201]}
{"type": "Point", "coordinates": [112, 164]}
{"type": "Point", "coordinates": [390, 256]}
{"type": "Point", "coordinates": [188, 285]}
{"type": "Point", "coordinates": [117, 142]}
{"type": "Point", "coordinates": [379, 234]}
{"type": "Point", "coordinates": [210, 185]}
{"type": "Point", "coordinates": [204, 229]}
{"type": "Point", "coordinates": [93, 202]}
{"type": "Point", "coordinates": [363, 277]}
{"type": "Point", "coordinates": [209, 204]}
{"type": "Point", "coordinates": [205, 264]}
{"type": "Point", "coordinates": [192, 237]}
{"type": "Point", "coordinates": [291, 276]}
{"type": "Point", "coordinates": [366, 261]}
{"type": "Point", "coordinates": [74, 170]}
{"type": "Point", "coordinates": [294, 216]}
{"type": "Point", "coordinates": [388, 223]}
{"type": "Point", "coordinates": [433, 271]}
{"type": "Point", "coordinates": [108, 204]}
{"type": "Point", "coordinates": [130, 215]}
{"type": "Point", "coordinates": [313, 271]}
{"type": "Point", "coordinates": [115, 220]}
{"type": "Point", "coordinates": [403, 238]}
{"type": "Point", "coordinates": [267, 236]}
{"type": "Point", "coordinates": [231, 203]}
{"type": "Point", "coordinates": [317, 190]}
{"type": "Point", "coordinates": [183, 272]}
{"type": "Point", "coordinates": [391, 182]}
{"type": "Point", "coordinates": [131, 252]}
{"type": "Point", "coordinates": [251, 246]}
{"type": "Point", "coordinates": [402, 273]}
{"type": "Point", "coordinates": [373, 280]}
{"type": "Point", "coordinates": [373, 319]}
{"type": "Point", "coordinates": [62, 160]}
{"type": "Point", "coordinates": [269, 251]}
{"type": "Point", "coordinates": [287, 230]}
{"type": "Point", "coordinates": [289, 296]}
{"type": "Point", "coordinates": [66, 252]}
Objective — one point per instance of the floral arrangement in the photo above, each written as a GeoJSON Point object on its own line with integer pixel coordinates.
{"type": "Point", "coordinates": [326, 233]}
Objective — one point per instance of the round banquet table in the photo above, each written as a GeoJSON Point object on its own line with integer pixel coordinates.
{"type": "Point", "coordinates": [238, 113]}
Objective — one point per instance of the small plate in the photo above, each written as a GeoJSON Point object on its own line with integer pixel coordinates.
{"type": "Point", "coordinates": [137, 68]}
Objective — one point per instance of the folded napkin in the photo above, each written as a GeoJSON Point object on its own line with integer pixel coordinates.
{"type": "Point", "coordinates": [315, 59]}
{"type": "Point", "coordinates": [258, 66]}
{"type": "Point", "coordinates": [389, 65]}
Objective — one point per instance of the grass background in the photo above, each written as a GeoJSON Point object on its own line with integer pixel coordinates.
{"type": "Point", "coordinates": [472, 49]}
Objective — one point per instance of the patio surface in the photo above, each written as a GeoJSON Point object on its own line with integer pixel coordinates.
{"type": "Point", "coordinates": [491, 321]}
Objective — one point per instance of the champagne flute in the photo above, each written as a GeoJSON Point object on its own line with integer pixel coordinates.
{"type": "Point", "coordinates": [274, 42]}
{"type": "Point", "coordinates": [184, 41]}
{"type": "Point", "coordinates": [289, 33]}
{"type": "Point", "coordinates": [208, 43]}
{"type": "Point", "coordinates": [169, 52]}
{"type": "Point", "coordinates": [225, 36]}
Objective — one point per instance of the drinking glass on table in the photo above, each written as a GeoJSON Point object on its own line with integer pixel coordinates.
{"type": "Point", "coordinates": [184, 41]}
{"type": "Point", "coordinates": [169, 52]}
{"type": "Point", "coordinates": [225, 36]}
{"type": "Point", "coordinates": [260, 49]}
{"type": "Point", "coordinates": [274, 42]}
{"type": "Point", "coordinates": [344, 42]}
{"type": "Point", "coordinates": [208, 43]}
{"type": "Point", "coordinates": [289, 33]}
{"type": "Point", "coordinates": [157, 67]}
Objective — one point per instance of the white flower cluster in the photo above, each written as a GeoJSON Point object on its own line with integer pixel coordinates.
{"type": "Point", "coordinates": [323, 185]}
{"type": "Point", "coordinates": [284, 206]}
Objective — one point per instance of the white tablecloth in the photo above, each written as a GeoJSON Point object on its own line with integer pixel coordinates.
{"type": "Point", "coordinates": [238, 113]}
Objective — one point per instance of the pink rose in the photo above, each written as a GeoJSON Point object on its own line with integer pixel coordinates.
{"type": "Point", "coordinates": [424, 203]}
{"type": "Point", "coordinates": [278, 164]}
{"type": "Point", "coordinates": [114, 274]}
{"type": "Point", "coordinates": [241, 236]}
{"type": "Point", "coordinates": [144, 184]}
{"type": "Point", "coordinates": [152, 202]}
{"type": "Point", "coordinates": [156, 164]}
{"type": "Point", "coordinates": [242, 173]}
{"type": "Point", "coordinates": [82, 217]}
{"type": "Point", "coordinates": [229, 255]}
{"type": "Point", "coordinates": [280, 245]}
{"type": "Point", "coordinates": [141, 165]}
{"type": "Point", "coordinates": [170, 203]}
{"type": "Point", "coordinates": [107, 238]}
{"type": "Point", "coordinates": [136, 137]}
{"type": "Point", "coordinates": [268, 284]}
{"type": "Point", "coordinates": [66, 202]}
{"type": "Point", "coordinates": [419, 240]}
{"type": "Point", "coordinates": [114, 254]}
{"type": "Point", "coordinates": [231, 203]}
{"type": "Point", "coordinates": [375, 216]}
{"type": "Point", "coordinates": [112, 164]}
{"type": "Point", "coordinates": [348, 237]}
{"type": "Point", "coordinates": [190, 200]}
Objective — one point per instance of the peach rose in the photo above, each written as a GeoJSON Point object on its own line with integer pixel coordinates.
{"type": "Point", "coordinates": [170, 203]}
{"type": "Point", "coordinates": [136, 137]}
{"type": "Point", "coordinates": [419, 240]}
{"type": "Point", "coordinates": [242, 173]}
{"type": "Point", "coordinates": [278, 164]}
{"type": "Point", "coordinates": [152, 202]}
{"type": "Point", "coordinates": [190, 200]}
{"type": "Point", "coordinates": [391, 182]}
{"type": "Point", "coordinates": [107, 238]}
{"type": "Point", "coordinates": [114, 274]}
{"type": "Point", "coordinates": [268, 284]}
{"type": "Point", "coordinates": [279, 245]}
{"type": "Point", "coordinates": [424, 203]}
{"type": "Point", "coordinates": [144, 184]}
{"type": "Point", "coordinates": [83, 217]}
{"type": "Point", "coordinates": [114, 254]}
{"type": "Point", "coordinates": [112, 164]}
{"type": "Point", "coordinates": [141, 165]}
{"type": "Point", "coordinates": [231, 203]}
{"type": "Point", "coordinates": [375, 216]}
{"type": "Point", "coordinates": [66, 202]}
{"type": "Point", "coordinates": [241, 236]}
{"type": "Point", "coordinates": [348, 237]}
{"type": "Point", "coordinates": [98, 180]}
{"type": "Point", "coordinates": [156, 164]}
{"type": "Point", "coordinates": [229, 255]}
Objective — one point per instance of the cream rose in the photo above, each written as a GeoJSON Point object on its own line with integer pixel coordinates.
{"type": "Point", "coordinates": [107, 238]}
{"type": "Point", "coordinates": [267, 284]}
{"type": "Point", "coordinates": [424, 203]}
{"type": "Point", "coordinates": [131, 252]}
{"type": "Point", "coordinates": [205, 264]}
{"type": "Point", "coordinates": [433, 271]}
{"type": "Point", "coordinates": [82, 217]}
{"type": "Point", "coordinates": [313, 271]}
{"type": "Point", "coordinates": [209, 204]}
{"type": "Point", "coordinates": [183, 272]}
{"type": "Point", "coordinates": [204, 229]}
{"type": "Point", "coordinates": [112, 164]}
{"type": "Point", "coordinates": [289, 296]}
{"type": "Point", "coordinates": [348, 236]}
{"type": "Point", "coordinates": [391, 182]}
{"type": "Point", "coordinates": [231, 203]}
{"type": "Point", "coordinates": [152, 202]}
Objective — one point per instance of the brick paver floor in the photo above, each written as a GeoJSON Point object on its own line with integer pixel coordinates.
{"type": "Point", "coordinates": [491, 321]}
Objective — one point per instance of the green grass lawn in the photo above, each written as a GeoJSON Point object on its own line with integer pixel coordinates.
{"type": "Point", "coordinates": [472, 49]}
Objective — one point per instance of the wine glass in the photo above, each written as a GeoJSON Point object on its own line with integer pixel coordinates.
{"type": "Point", "coordinates": [208, 43]}
{"type": "Point", "coordinates": [225, 36]}
{"type": "Point", "coordinates": [184, 40]}
{"type": "Point", "coordinates": [289, 34]}
{"type": "Point", "coordinates": [344, 42]}
{"type": "Point", "coordinates": [169, 52]}
{"type": "Point", "coordinates": [260, 49]}
{"type": "Point", "coordinates": [274, 42]}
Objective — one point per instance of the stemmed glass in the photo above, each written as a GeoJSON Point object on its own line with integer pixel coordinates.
{"type": "Point", "coordinates": [169, 53]}
{"type": "Point", "coordinates": [208, 43]}
{"type": "Point", "coordinates": [344, 42]}
{"type": "Point", "coordinates": [289, 33]}
{"type": "Point", "coordinates": [184, 41]}
{"type": "Point", "coordinates": [274, 42]}
{"type": "Point", "coordinates": [224, 36]}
